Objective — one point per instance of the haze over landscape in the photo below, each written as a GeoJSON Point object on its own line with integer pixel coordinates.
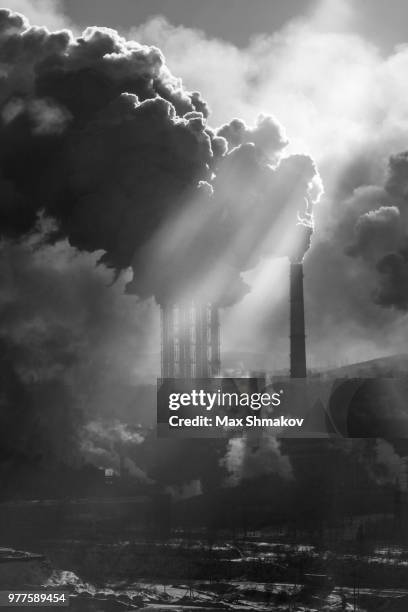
{"type": "Point", "coordinates": [179, 156]}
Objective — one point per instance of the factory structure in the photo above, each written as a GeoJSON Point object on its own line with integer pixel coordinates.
{"type": "Point", "coordinates": [190, 340]}
{"type": "Point", "coordinates": [190, 335]}
{"type": "Point", "coordinates": [297, 322]}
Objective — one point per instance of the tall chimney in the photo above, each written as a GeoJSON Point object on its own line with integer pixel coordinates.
{"type": "Point", "coordinates": [297, 322]}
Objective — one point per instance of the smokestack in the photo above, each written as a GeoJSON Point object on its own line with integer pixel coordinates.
{"type": "Point", "coordinates": [297, 323]}
{"type": "Point", "coordinates": [122, 468]}
{"type": "Point", "coordinates": [190, 340]}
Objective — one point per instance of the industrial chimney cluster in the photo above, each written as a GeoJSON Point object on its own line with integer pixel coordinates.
{"type": "Point", "coordinates": [190, 335]}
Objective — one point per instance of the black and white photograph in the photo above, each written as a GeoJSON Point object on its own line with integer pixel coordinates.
{"type": "Point", "coordinates": [204, 305]}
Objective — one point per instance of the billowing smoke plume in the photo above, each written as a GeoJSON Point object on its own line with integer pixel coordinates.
{"type": "Point", "coordinates": [109, 444]}
{"type": "Point", "coordinates": [100, 136]}
{"type": "Point", "coordinates": [245, 460]}
{"type": "Point", "coordinates": [69, 345]}
{"type": "Point", "coordinates": [104, 151]}
{"type": "Point", "coordinates": [377, 231]}
{"type": "Point", "coordinates": [93, 136]}
{"type": "Point", "coordinates": [381, 238]}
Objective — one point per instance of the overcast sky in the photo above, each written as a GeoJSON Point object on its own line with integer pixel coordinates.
{"type": "Point", "coordinates": [233, 20]}
{"type": "Point", "coordinates": [384, 23]}
{"type": "Point", "coordinates": [237, 20]}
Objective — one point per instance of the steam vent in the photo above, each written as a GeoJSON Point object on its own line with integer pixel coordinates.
{"type": "Point", "coordinates": [190, 335]}
{"type": "Point", "coordinates": [297, 323]}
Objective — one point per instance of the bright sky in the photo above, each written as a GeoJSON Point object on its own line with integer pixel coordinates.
{"type": "Point", "coordinates": [232, 20]}
{"type": "Point", "coordinates": [237, 20]}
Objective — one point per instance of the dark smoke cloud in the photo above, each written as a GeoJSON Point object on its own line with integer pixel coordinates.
{"type": "Point", "coordinates": [376, 232]}
{"type": "Point", "coordinates": [393, 267]}
{"type": "Point", "coordinates": [98, 134]}
{"type": "Point", "coordinates": [101, 137]}
{"type": "Point", "coordinates": [267, 135]}
{"type": "Point", "coordinates": [397, 181]}
{"type": "Point", "coordinates": [381, 237]}
{"type": "Point", "coordinates": [107, 157]}
{"type": "Point", "coordinates": [73, 350]}
{"type": "Point", "coordinates": [393, 270]}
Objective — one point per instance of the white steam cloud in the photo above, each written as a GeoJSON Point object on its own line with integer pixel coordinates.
{"type": "Point", "coordinates": [246, 459]}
